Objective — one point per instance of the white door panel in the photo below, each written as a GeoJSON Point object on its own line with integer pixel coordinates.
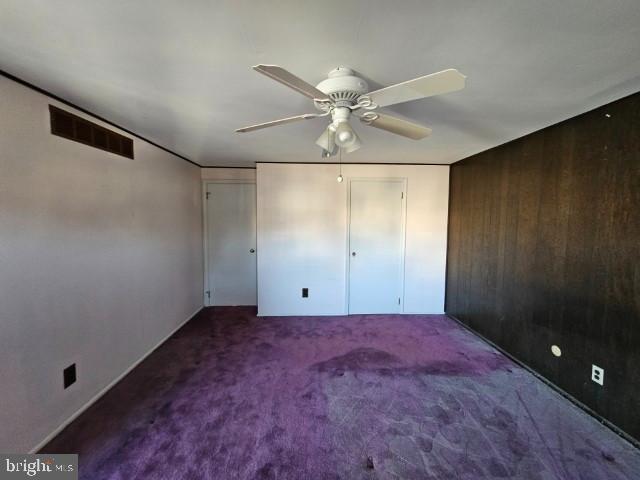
{"type": "Point", "coordinates": [231, 243]}
{"type": "Point", "coordinates": [376, 246]}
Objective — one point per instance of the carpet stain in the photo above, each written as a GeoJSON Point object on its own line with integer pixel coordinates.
{"type": "Point", "coordinates": [234, 396]}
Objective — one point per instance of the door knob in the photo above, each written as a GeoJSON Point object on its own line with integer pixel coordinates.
{"type": "Point", "coordinates": [353, 254]}
{"type": "Point", "coordinates": [252, 250]}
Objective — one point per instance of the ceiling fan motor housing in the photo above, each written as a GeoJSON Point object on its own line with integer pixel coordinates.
{"type": "Point", "coordinates": [343, 87]}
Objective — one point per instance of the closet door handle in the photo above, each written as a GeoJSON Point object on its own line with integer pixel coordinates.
{"type": "Point", "coordinates": [353, 254]}
{"type": "Point", "coordinates": [252, 250]}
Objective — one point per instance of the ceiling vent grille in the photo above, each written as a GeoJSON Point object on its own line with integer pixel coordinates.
{"type": "Point", "coordinates": [73, 127]}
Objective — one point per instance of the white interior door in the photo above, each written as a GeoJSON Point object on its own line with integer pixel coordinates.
{"type": "Point", "coordinates": [376, 246]}
{"type": "Point", "coordinates": [231, 243]}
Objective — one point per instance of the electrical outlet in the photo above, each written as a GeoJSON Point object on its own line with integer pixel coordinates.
{"type": "Point", "coordinates": [305, 293]}
{"type": "Point", "coordinates": [597, 374]}
{"type": "Point", "coordinates": [69, 375]}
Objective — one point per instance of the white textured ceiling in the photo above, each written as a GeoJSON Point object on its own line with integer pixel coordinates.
{"type": "Point", "coordinates": [178, 72]}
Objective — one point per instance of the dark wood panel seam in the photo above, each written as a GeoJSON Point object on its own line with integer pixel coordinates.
{"type": "Point", "coordinates": [624, 435]}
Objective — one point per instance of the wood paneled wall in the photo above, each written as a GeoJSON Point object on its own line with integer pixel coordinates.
{"type": "Point", "coordinates": [544, 249]}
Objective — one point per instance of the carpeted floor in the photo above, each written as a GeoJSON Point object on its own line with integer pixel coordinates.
{"type": "Point", "coordinates": [233, 396]}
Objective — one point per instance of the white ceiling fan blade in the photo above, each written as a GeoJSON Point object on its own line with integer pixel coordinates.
{"type": "Point", "coordinates": [281, 75]}
{"type": "Point", "coordinates": [396, 125]}
{"type": "Point", "coordinates": [282, 121]}
{"type": "Point", "coordinates": [434, 84]}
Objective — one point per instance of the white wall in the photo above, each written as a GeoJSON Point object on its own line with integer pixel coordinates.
{"type": "Point", "coordinates": [302, 236]}
{"type": "Point", "coordinates": [219, 174]}
{"type": "Point", "coordinates": [100, 260]}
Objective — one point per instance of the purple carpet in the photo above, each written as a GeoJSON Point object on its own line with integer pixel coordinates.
{"type": "Point", "coordinates": [233, 396]}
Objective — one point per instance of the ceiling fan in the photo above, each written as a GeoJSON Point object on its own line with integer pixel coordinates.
{"type": "Point", "coordinates": [343, 94]}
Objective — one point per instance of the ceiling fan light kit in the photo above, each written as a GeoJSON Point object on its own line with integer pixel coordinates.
{"type": "Point", "coordinates": [344, 94]}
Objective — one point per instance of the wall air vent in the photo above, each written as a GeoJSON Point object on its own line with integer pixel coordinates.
{"type": "Point", "coordinates": [73, 127]}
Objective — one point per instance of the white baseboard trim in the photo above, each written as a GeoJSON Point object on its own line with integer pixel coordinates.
{"type": "Point", "coordinates": [96, 397]}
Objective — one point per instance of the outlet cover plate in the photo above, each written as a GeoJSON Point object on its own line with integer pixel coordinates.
{"type": "Point", "coordinates": [597, 374]}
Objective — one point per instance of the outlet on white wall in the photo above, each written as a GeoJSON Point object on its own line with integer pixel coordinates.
{"type": "Point", "coordinates": [597, 374]}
